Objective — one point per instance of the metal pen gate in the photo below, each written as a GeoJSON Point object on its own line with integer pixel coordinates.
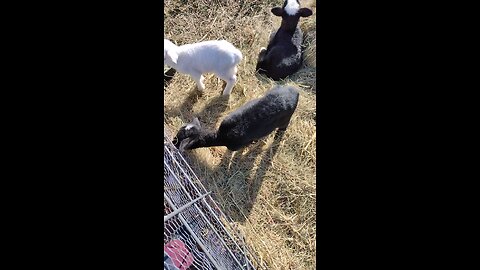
{"type": "Point", "coordinates": [197, 234]}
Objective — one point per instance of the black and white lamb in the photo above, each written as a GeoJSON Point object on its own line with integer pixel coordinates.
{"type": "Point", "coordinates": [254, 120]}
{"type": "Point", "coordinates": [283, 56]}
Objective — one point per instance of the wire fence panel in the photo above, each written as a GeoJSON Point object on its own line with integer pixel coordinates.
{"type": "Point", "coordinates": [197, 233]}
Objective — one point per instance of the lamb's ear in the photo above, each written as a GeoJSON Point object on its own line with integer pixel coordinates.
{"type": "Point", "coordinates": [185, 144]}
{"type": "Point", "coordinates": [305, 12]}
{"type": "Point", "coordinates": [173, 55]}
{"type": "Point", "coordinates": [196, 122]}
{"type": "Point", "coordinates": [277, 11]}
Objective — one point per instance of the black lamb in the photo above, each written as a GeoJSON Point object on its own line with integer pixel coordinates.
{"type": "Point", "coordinates": [254, 120]}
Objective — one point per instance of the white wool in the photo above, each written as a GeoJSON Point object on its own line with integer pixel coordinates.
{"type": "Point", "coordinates": [217, 56]}
{"type": "Point", "coordinates": [207, 56]}
{"type": "Point", "coordinates": [292, 7]}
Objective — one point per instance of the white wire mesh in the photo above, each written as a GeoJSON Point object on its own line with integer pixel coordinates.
{"type": "Point", "coordinates": [199, 236]}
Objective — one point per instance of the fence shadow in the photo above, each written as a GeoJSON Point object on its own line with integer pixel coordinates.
{"type": "Point", "coordinates": [235, 181]}
{"type": "Point", "coordinates": [255, 181]}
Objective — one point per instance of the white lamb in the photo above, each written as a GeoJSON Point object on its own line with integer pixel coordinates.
{"type": "Point", "coordinates": [216, 56]}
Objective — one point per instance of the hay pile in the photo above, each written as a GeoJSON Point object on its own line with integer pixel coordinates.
{"type": "Point", "coordinates": [268, 188]}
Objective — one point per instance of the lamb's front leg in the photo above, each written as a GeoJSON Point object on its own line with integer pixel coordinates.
{"type": "Point", "coordinates": [198, 77]}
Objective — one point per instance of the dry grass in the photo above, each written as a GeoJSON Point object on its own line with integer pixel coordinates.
{"type": "Point", "coordinates": [268, 188]}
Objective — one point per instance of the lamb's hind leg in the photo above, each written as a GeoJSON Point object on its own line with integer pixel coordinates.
{"type": "Point", "coordinates": [230, 83]}
{"type": "Point", "coordinates": [284, 125]}
{"type": "Point", "coordinates": [230, 78]}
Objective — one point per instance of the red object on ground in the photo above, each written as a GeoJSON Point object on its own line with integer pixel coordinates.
{"type": "Point", "coordinates": [178, 252]}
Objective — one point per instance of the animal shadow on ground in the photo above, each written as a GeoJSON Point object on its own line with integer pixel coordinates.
{"type": "Point", "coordinates": [255, 182]}
{"type": "Point", "coordinates": [208, 116]}
{"type": "Point", "coordinates": [235, 179]}
{"type": "Point", "coordinates": [216, 106]}
{"type": "Point", "coordinates": [184, 110]}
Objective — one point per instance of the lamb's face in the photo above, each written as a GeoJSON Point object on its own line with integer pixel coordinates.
{"type": "Point", "coordinates": [291, 7]}
{"type": "Point", "coordinates": [291, 13]}
{"type": "Point", "coordinates": [187, 134]}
